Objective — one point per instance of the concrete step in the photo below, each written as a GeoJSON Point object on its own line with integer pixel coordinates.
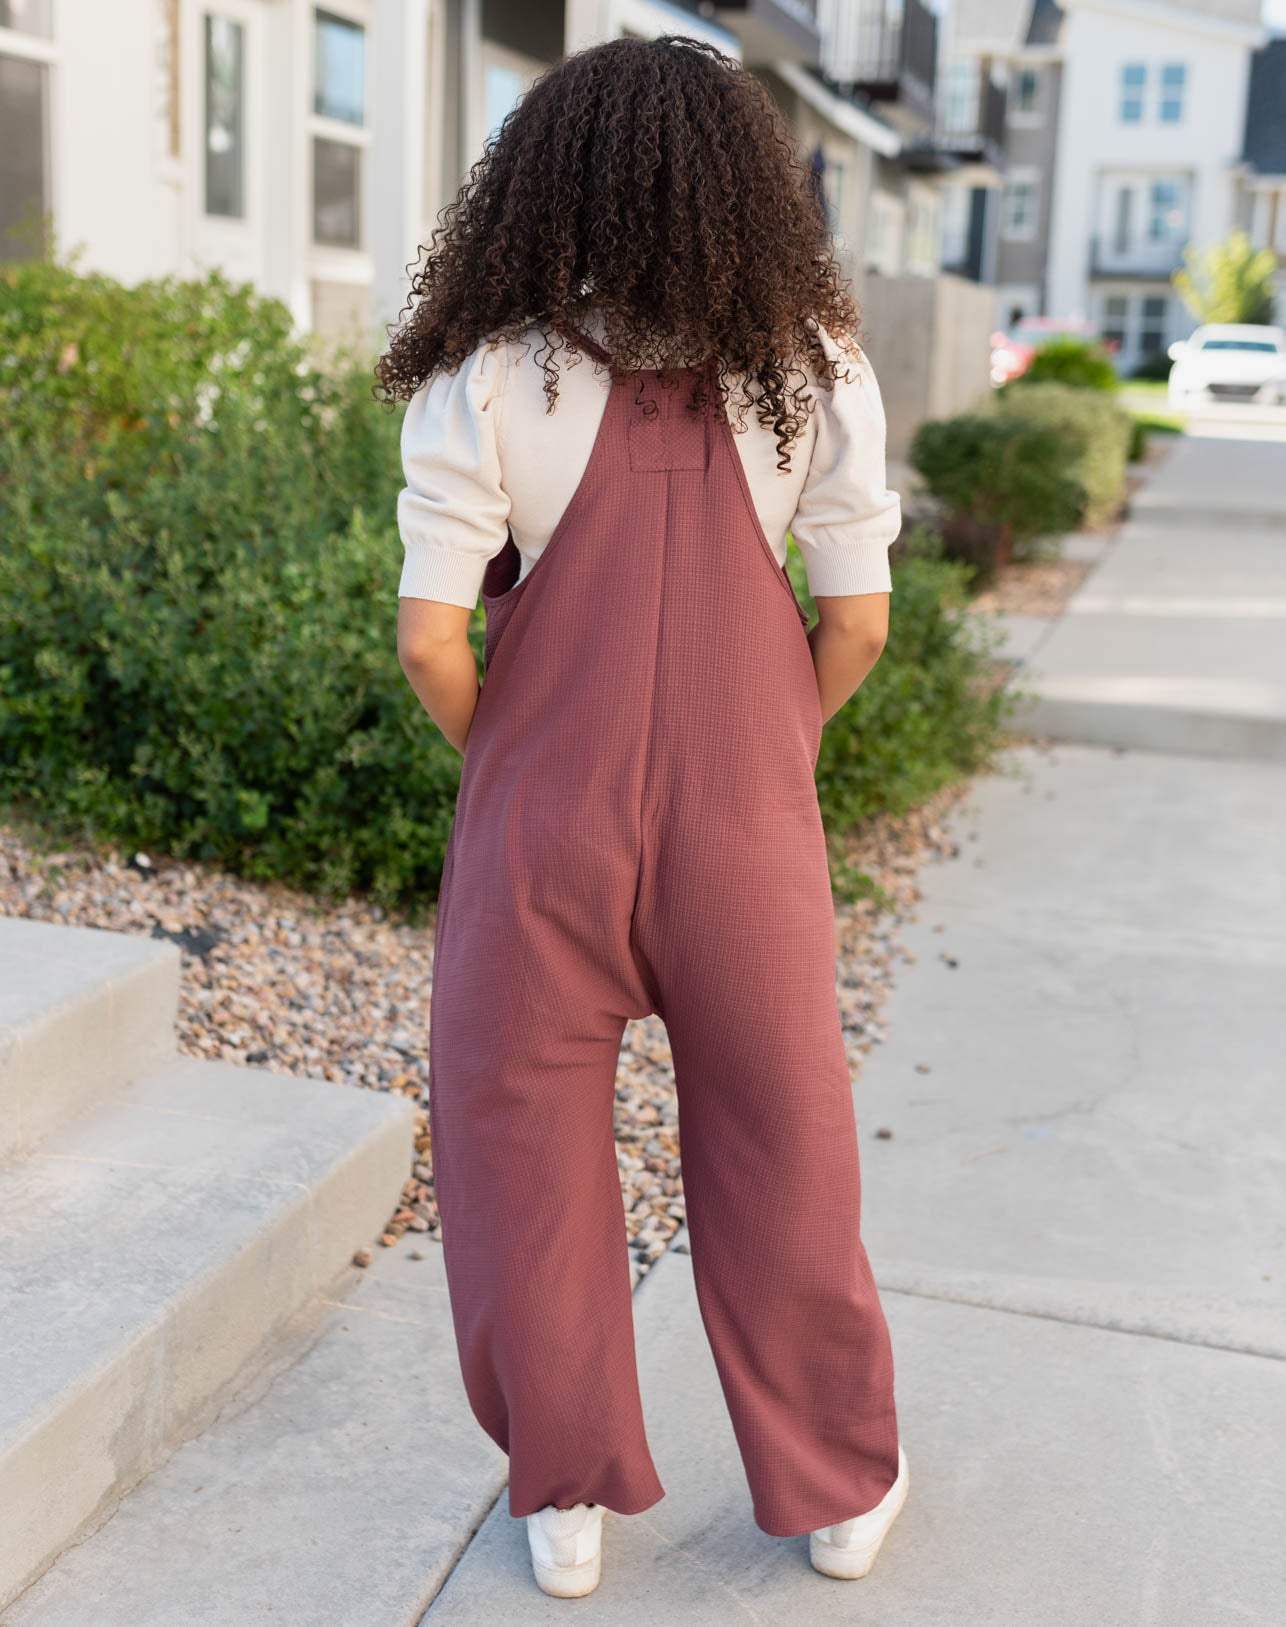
{"type": "Point", "coordinates": [81, 1014]}
{"type": "Point", "coordinates": [338, 1491]}
{"type": "Point", "coordinates": [147, 1251]}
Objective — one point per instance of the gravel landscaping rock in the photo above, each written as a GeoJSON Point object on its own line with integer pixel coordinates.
{"type": "Point", "coordinates": [280, 980]}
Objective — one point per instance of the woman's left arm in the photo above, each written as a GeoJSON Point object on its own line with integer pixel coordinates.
{"type": "Point", "coordinates": [847, 642]}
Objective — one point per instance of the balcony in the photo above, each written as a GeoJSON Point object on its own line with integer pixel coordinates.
{"type": "Point", "coordinates": [771, 30]}
{"type": "Point", "coordinates": [886, 51]}
{"type": "Point", "coordinates": [1145, 259]}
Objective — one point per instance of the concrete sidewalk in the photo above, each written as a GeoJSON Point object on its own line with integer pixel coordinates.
{"type": "Point", "coordinates": [1177, 641]}
{"type": "Point", "coordinates": [1074, 1157]}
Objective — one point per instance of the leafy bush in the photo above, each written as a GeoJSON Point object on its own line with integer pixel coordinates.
{"type": "Point", "coordinates": [1232, 281]}
{"type": "Point", "coordinates": [1093, 432]}
{"type": "Point", "coordinates": [198, 599]}
{"type": "Point", "coordinates": [198, 591]}
{"type": "Point", "coordinates": [1002, 483]}
{"type": "Point", "coordinates": [1069, 361]}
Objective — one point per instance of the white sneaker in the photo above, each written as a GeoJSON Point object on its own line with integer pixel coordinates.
{"type": "Point", "coordinates": [567, 1548]}
{"type": "Point", "coordinates": [848, 1549]}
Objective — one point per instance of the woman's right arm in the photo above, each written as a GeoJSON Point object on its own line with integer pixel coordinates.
{"type": "Point", "coordinates": [454, 517]}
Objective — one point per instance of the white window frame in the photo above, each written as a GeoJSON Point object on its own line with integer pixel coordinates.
{"type": "Point", "coordinates": [1127, 94]}
{"type": "Point", "coordinates": [341, 262]}
{"type": "Point", "coordinates": [1027, 177]}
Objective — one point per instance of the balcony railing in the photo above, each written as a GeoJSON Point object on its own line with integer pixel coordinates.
{"type": "Point", "coordinates": [888, 51]}
{"type": "Point", "coordinates": [1153, 258]}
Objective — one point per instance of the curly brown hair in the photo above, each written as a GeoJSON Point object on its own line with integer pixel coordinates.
{"type": "Point", "coordinates": [655, 182]}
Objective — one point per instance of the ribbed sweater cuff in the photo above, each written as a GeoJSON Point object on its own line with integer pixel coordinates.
{"type": "Point", "coordinates": [441, 574]}
{"type": "Point", "coordinates": [854, 567]}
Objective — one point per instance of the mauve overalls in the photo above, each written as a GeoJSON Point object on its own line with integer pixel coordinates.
{"type": "Point", "coordinates": [638, 831]}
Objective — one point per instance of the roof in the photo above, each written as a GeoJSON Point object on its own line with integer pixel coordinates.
{"type": "Point", "coordinates": [1046, 21]}
{"type": "Point", "coordinates": [1265, 145]}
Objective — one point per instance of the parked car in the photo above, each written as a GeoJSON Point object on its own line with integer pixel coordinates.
{"type": "Point", "coordinates": [1229, 361]}
{"type": "Point", "coordinates": [1012, 352]}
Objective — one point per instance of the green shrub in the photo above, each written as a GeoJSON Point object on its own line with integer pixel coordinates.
{"type": "Point", "coordinates": [198, 601]}
{"type": "Point", "coordinates": [1069, 361]}
{"type": "Point", "coordinates": [1093, 432]}
{"type": "Point", "coordinates": [1002, 483]}
{"type": "Point", "coordinates": [198, 589]}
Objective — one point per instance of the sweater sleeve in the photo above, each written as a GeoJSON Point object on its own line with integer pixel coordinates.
{"type": "Point", "coordinates": [453, 513]}
{"type": "Point", "coordinates": [847, 517]}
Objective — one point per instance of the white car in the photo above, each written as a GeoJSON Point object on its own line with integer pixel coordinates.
{"type": "Point", "coordinates": [1229, 361]}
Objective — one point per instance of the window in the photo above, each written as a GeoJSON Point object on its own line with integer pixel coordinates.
{"type": "Point", "coordinates": [1174, 82]}
{"type": "Point", "coordinates": [884, 234]}
{"type": "Point", "coordinates": [1122, 226]}
{"type": "Point", "coordinates": [28, 17]}
{"type": "Point", "coordinates": [224, 118]}
{"type": "Point", "coordinates": [1152, 327]}
{"type": "Point", "coordinates": [1165, 212]}
{"type": "Point", "coordinates": [337, 193]}
{"type": "Point", "coordinates": [339, 130]}
{"type": "Point", "coordinates": [1027, 91]}
{"type": "Point", "coordinates": [1116, 317]}
{"type": "Point", "coordinates": [1019, 218]}
{"type": "Point", "coordinates": [501, 89]}
{"type": "Point", "coordinates": [24, 170]}
{"type": "Point", "coordinates": [832, 180]}
{"type": "Point", "coordinates": [962, 97]}
{"type": "Point", "coordinates": [1133, 83]}
{"type": "Point", "coordinates": [921, 237]}
{"type": "Point", "coordinates": [339, 80]}
{"type": "Point", "coordinates": [956, 202]}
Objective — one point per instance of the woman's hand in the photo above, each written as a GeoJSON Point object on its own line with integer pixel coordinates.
{"type": "Point", "coordinates": [437, 658]}
{"type": "Point", "coordinates": [846, 643]}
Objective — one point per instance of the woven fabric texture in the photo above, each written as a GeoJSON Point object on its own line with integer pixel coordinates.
{"type": "Point", "coordinates": [638, 831]}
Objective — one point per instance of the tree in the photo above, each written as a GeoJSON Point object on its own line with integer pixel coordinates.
{"type": "Point", "coordinates": [1231, 282]}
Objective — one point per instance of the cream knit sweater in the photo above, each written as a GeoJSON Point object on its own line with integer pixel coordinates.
{"type": "Point", "coordinates": [482, 457]}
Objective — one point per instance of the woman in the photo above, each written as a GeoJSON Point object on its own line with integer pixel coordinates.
{"type": "Point", "coordinates": [636, 264]}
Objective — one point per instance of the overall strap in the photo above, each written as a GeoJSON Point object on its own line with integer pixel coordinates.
{"type": "Point", "coordinates": [582, 341]}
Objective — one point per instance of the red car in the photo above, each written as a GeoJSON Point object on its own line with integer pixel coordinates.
{"type": "Point", "coordinates": [1011, 353]}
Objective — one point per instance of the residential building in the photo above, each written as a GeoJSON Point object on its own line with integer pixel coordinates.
{"type": "Point", "coordinates": [1151, 121]}
{"type": "Point", "coordinates": [880, 57]}
{"type": "Point", "coordinates": [304, 147]}
{"type": "Point", "coordinates": [308, 146]}
{"type": "Point", "coordinates": [1261, 175]}
{"type": "Point", "coordinates": [1125, 124]}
